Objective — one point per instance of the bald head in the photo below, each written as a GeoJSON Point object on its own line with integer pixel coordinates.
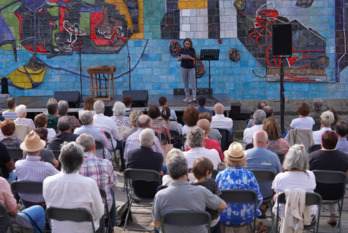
{"type": "Point", "coordinates": [143, 121]}
{"type": "Point", "coordinates": [218, 108]}
{"type": "Point", "coordinates": [204, 124]}
{"type": "Point", "coordinates": [260, 138]}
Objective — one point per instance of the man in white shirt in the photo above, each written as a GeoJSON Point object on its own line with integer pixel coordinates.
{"type": "Point", "coordinates": [258, 120]}
{"type": "Point", "coordinates": [327, 118]}
{"type": "Point", "coordinates": [69, 189]}
{"type": "Point", "coordinates": [219, 121]}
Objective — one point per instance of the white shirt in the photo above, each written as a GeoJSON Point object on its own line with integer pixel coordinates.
{"type": "Point", "coordinates": [219, 121]}
{"type": "Point", "coordinates": [186, 129]}
{"type": "Point", "coordinates": [73, 191]}
{"type": "Point", "coordinates": [302, 123]}
{"type": "Point", "coordinates": [107, 124]}
{"type": "Point", "coordinates": [294, 180]}
{"type": "Point", "coordinates": [317, 135]}
{"type": "Point", "coordinates": [249, 133]}
{"type": "Point", "coordinates": [50, 133]}
{"type": "Point", "coordinates": [199, 152]}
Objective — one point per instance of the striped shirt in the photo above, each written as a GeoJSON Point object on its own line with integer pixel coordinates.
{"type": "Point", "coordinates": [101, 171]}
{"type": "Point", "coordinates": [33, 169]}
{"type": "Point", "coordinates": [133, 143]}
{"type": "Point", "coordinates": [10, 114]}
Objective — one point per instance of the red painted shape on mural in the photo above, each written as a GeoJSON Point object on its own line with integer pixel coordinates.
{"type": "Point", "coordinates": [96, 19]}
{"type": "Point", "coordinates": [55, 1]}
{"type": "Point", "coordinates": [39, 48]}
{"type": "Point", "coordinates": [62, 12]}
{"type": "Point", "coordinates": [292, 60]}
{"type": "Point", "coordinates": [20, 24]}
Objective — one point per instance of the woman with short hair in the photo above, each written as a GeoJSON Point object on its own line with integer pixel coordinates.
{"type": "Point", "coordinates": [119, 110]}
{"type": "Point", "coordinates": [21, 111]}
{"type": "Point", "coordinates": [275, 144]}
{"type": "Point", "coordinates": [190, 119]}
{"type": "Point", "coordinates": [303, 121]}
{"type": "Point", "coordinates": [8, 128]}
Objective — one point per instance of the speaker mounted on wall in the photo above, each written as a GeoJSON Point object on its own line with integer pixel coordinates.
{"type": "Point", "coordinates": [282, 40]}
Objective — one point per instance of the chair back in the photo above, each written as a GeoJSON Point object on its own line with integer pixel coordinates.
{"type": "Point", "coordinates": [16, 154]}
{"type": "Point", "coordinates": [5, 218]}
{"type": "Point", "coordinates": [281, 157]}
{"type": "Point", "coordinates": [214, 174]}
{"type": "Point", "coordinates": [311, 199]}
{"type": "Point", "coordinates": [162, 137]}
{"type": "Point", "coordinates": [107, 213]}
{"type": "Point", "coordinates": [314, 148]}
{"type": "Point", "coordinates": [74, 215]}
{"type": "Point", "coordinates": [316, 126]}
{"type": "Point", "coordinates": [263, 175]}
{"type": "Point", "coordinates": [21, 131]}
{"type": "Point", "coordinates": [226, 139]}
{"type": "Point", "coordinates": [108, 136]}
{"type": "Point", "coordinates": [336, 179]}
{"type": "Point", "coordinates": [100, 146]}
{"type": "Point", "coordinates": [27, 187]}
{"type": "Point", "coordinates": [142, 174]}
{"type": "Point", "coordinates": [186, 218]}
{"type": "Point", "coordinates": [249, 146]}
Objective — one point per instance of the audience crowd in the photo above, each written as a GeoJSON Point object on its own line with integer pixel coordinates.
{"type": "Point", "coordinates": [75, 159]}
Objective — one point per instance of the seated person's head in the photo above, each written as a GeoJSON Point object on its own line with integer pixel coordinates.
{"type": "Point", "coordinates": [86, 118]}
{"type": "Point", "coordinates": [11, 103]}
{"type": "Point", "coordinates": [88, 104]}
{"type": "Point", "coordinates": [127, 100]}
{"type": "Point", "coordinates": [32, 144]}
{"type": "Point", "coordinates": [317, 104]}
{"type": "Point", "coordinates": [42, 132]}
{"type": "Point", "coordinates": [268, 110]}
{"type": "Point", "coordinates": [296, 159]}
{"type": "Point", "coordinates": [52, 106]}
{"type": "Point", "coordinates": [190, 116]}
{"type": "Point", "coordinates": [260, 138]}
{"type": "Point", "coordinates": [21, 110]}
{"type": "Point", "coordinates": [119, 109]}
{"type": "Point", "coordinates": [41, 120]}
{"type": "Point", "coordinates": [204, 124]}
{"type": "Point", "coordinates": [303, 109]}
{"type": "Point", "coordinates": [201, 101]}
{"type": "Point", "coordinates": [342, 129]}
{"type": "Point", "coordinates": [8, 127]}
{"type": "Point", "coordinates": [165, 113]}
{"type": "Point", "coordinates": [327, 118]}
{"type": "Point", "coordinates": [147, 138]}
{"type": "Point", "coordinates": [176, 164]}
{"type": "Point", "coordinates": [154, 112]}
{"type": "Point", "coordinates": [329, 140]}
{"type": "Point", "coordinates": [64, 124]}
{"type": "Point", "coordinates": [87, 142]}
{"type": "Point", "coordinates": [271, 127]}
{"type": "Point", "coordinates": [99, 106]}
{"type": "Point", "coordinates": [259, 117]}
{"type": "Point", "coordinates": [202, 168]}
{"type": "Point", "coordinates": [205, 115]}
{"type": "Point", "coordinates": [134, 116]}
{"type": "Point", "coordinates": [71, 157]}
{"type": "Point", "coordinates": [331, 109]}
{"type": "Point", "coordinates": [162, 101]}
{"type": "Point", "coordinates": [218, 108]}
{"type": "Point", "coordinates": [63, 107]}
{"type": "Point", "coordinates": [194, 138]}
{"type": "Point", "coordinates": [235, 156]}
{"type": "Point", "coordinates": [143, 121]}
{"type": "Point", "coordinates": [261, 105]}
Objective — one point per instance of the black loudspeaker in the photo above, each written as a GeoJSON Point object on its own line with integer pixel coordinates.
{"type": "Point", "coordinates": [73, 97]}
{"type": "Point", "coordinates": [140, 97]}
{"type": "Point", "coordinates": [282, 40]}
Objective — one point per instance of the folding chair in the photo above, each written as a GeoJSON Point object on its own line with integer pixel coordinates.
{"type": "Point", "coordinates": [74, 215]}
{"type": "Point", "coordinates": [311, 199]}
{"type": "Point", "coordinates": [314, 148]}
{"type": "Point", "coordinates": [16, 153]}
{"type": "Point", "coordinates": [132, 174]}
{"type": "Point", "coordinates": [107, 213]}
{"type": "Point", "coordinates": [100, 146]}
{"type": "Point", "coordinates": [108, 136]}
{"type": "Point", "coordinates": [214, 174]}
{"type": "Point", "coordinates": [226, 138]}
{"type": "Point", "coordinates": [335, 178]}
{"type": "Point", "coordinates": [265, 176]}
{"type": "Point", "coordinates": [4, 217]}
{"type": "Point", "coordinates": [237, 196]}
{"type": "Point", "coordinates": [281, 157]}
{"type": "Point", "coordinates": [186, 219]}
{"type": "Point", "coordinates": [249, 146]}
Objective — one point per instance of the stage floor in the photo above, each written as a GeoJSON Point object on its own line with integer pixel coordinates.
{"type": "Point", "coordinates": [36, 104]}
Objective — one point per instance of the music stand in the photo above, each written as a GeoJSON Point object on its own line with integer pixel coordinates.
{"type": "Point", "coordinates": [208, 55]}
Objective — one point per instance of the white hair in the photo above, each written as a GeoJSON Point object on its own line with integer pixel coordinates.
{"type": "Point", "coordinates": [21, 110]}
{"type": "Point", "coordinates": [98, 106]}
{"type": "Point", "coordinates": [259, 117]}
{"type": "Point", "coordinates": [327, 118]}
{"type": "Point", "coordinates": [119, 108]}
{"type": "Point", "coordinates": [146, 138]}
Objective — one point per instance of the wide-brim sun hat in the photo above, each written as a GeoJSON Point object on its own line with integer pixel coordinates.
{"type": "Point", "coordinates": [32, 142]}
{"type": "Point", "coordinates": [235, 152]}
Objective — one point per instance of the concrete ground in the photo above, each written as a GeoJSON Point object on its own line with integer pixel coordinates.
{"type": "Point", "coordinates": [144, 221]}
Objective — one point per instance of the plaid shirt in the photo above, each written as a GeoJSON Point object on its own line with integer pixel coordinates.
{"type": "Point", "coordinates": [101, 171]}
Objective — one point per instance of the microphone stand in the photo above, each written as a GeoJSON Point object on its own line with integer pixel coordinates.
{"type": "Point", "coordinates": [129, 68]}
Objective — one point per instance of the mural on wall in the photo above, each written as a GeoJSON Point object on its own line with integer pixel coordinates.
{"type": "Point", "coordinates": [341, 35]}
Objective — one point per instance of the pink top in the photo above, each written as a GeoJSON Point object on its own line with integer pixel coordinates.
{"type": "Point", "coordinates": [6, 197]}
{"type": "Point", "coordinates": [160, 126]}
{"type": "Point", "coordinates": [280, 146]}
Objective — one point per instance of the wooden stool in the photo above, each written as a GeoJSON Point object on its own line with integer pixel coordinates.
{"type": "Point", "coordinates": [100, 75]}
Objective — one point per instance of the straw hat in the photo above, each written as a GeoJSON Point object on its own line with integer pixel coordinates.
{"type": "Point", "coordinates": [32, 142]}
{"type": "Point", "coordinates": [235, 152]}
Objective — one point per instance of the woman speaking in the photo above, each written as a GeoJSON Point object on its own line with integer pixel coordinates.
{"type": "Point", "coordinates": [187, 57]}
